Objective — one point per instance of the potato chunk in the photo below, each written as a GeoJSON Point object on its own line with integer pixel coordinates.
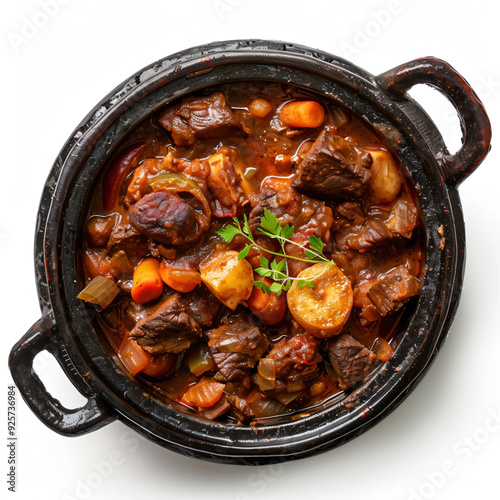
{"type": "Point", "coordinates": [324, 309]}
{"type": "Point", "coordinates": [385, 183]}
{"type": "Point", "coordinates": [229, 279]}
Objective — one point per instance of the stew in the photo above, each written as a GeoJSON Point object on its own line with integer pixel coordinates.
{"type": "Point", "coordinates": [250, 250]}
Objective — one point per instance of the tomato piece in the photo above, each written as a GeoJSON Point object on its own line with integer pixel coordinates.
{"type": "Point", "coordinates": [160, 366]}
{"type": "Point", "coordinates": [133, 356]}
{"type": "Point", "coordinates": [205, 393]}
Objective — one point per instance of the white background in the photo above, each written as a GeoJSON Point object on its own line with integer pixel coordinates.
{"type": "Point", "coordinates": [54, 73]}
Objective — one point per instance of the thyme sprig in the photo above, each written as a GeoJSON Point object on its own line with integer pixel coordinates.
{"type": "Point", "coordinates": [276, 269]}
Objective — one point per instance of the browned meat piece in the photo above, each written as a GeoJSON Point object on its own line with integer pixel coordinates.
{"type": "Point", "coordinates": [205, 307]}
{"type": "Point", "coordinates": [98, 229]}
{"type": "Point", "coordinates": [285, 204]}
{"type": "Point", "coordinates": [169, 329]}
{"type": "Point", "coordinates": [200, 118]}
{"type": "Point", "coordinates": [352, 211]}
{"type": "Point", "coordinates": [372, 234]}
{"type": "Point", "coordinates": [351, 360]}
{"type": "Point", "coordinates": [403, 218]}
{"type": "Point", "coordinates": [165, 217]}
{"type": "Point", "coordinates": [240, 407]}
{"type": "Point", "coordinates": [236, 348]}
{"type": "Point", "coordinates": [353, 229]}
{"type": "Point", "coordinates": [296, 361]}
{"type": "Point", "coordinates": [125, 237]}
{"type": "Point", "coordinates": [391, 290]}
{"type": "Point", "coordinates": [332, 169]}
{"type": "Point", "coordinates": [122, 233]}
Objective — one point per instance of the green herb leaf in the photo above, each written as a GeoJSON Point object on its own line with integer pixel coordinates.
{"type": "Point", "coordinates": [264, 272]}
{"type": "Point", "coordinates": [270, 223]}
{"type": "Point", "coordinates": [281, 265]}
{"type": "Point", "coordinates": [244, 252]}
{"type": "Point", "coordinates": [276, 288]}
{"type": "Point", "coordinates": [287, 231]}
{"type": "Point", "coordinates": [228, 232]}
{"type": "Point", "coordinates": [264, 262]}
{"type": "Point", "coordinates": [301, 283]}
{"type": "Point", "coordinates": [310, 255]}
{"type": "Point", "coordinates": [262, 286]}
{"type": "Point", "coordinates": [246, 226]}
{"type": "Point", "coordinates": [315, 244]}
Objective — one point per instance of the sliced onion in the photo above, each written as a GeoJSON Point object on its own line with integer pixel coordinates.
{"type": "Point", "coordinates": [339, 117]}
{"type": "Point", "coordinates": [287, 397]}
{"type": "Point", "coordinates": [100, 291]}
{"type": "Point", "coordinates": [267, 374]}
{"type": "Point", "coordinates": [267, 407]}
{"type": "Point", "coordinates": [133, 356]}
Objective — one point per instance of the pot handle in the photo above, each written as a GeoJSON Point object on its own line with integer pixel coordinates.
{"type": "Point", "coordinates": [41, 337]}
{"type": "Point", "coordinates": [476, 128]}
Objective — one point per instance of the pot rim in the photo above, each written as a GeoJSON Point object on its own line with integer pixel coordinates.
{"type": "Point", "coordinates": [213, 440]}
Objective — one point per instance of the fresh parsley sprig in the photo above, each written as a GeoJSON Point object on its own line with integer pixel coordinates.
{"type": "Point", "coordinates": [277, 269]}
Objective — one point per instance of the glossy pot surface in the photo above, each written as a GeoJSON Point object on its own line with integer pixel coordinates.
{"type": "Point", "coordinates": [66, 328]}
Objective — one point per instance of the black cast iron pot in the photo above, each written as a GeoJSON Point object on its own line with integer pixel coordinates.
{"type": "Point", "coordinates": [66, 327]}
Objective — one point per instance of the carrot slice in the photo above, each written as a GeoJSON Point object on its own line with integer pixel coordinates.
{"type": "Point", "coordinates": [302, 114]}
{"type": "Point", "coordinates": [147, 284]}
{"type": "Point", "coordinates": [204, 394]}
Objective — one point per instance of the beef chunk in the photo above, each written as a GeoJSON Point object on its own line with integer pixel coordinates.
{"type": "Point", "coordinates": [240, 407]}
{"type": "Point", "coordinates": [200, 118]}
{"type": "Point", "coordinates": [390, 290]}
{"type": "Point", "coordinates": [205, 307]}
{"type": "Point", "coordinates": [169, 329]}
{"type": "Point", "coordinates": [236, 348]}
{"type": "Point", "coordinates": [372, 234]}
{"type": "Point", "coordinates": [285, 204]}
{"type": "Point", "coordinates": [356, 230]}
{"type": "Point", "coordinates": [403, 218]}
{"type": "Point", "coordinates": [123, 233]}
{"type": "Point", "coordinates": [165, 217]}
{"type": "Point", "coordinates": [332, 169]}
{"type": "Point", "coordinates": [296, 361]}
{"type": "Point", "coordinates": [351, 360]}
